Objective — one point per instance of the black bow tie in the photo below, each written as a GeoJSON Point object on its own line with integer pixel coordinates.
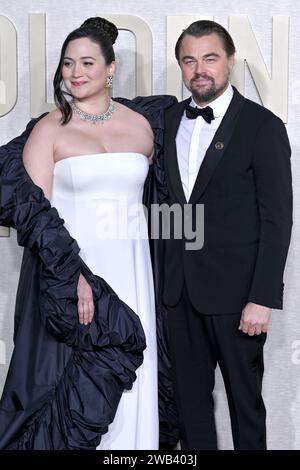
{"type": "Point", "coordinates": [192, 113]}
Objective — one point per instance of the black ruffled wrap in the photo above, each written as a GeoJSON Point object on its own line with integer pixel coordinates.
{"type": "Point", "coordinates": [65, 379]}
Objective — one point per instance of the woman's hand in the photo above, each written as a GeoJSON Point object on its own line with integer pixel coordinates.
{"type": "Point", "coordinates": [85, 301]}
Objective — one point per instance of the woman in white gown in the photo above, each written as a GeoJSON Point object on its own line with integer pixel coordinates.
{"type": "Point", "coordinates": [91, 157]}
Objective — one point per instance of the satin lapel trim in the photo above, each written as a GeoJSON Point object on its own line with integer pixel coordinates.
{"type": "Point", "coordinates": [171, 157]}
{"type": "Point", "coordinates": [217, 147]}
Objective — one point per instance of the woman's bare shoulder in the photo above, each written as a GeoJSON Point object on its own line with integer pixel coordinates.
{"type": "Point", "coordinates": [47, 126]}
{"type": "Point", "coordinates": [45, 131]}
{"type": "Point", "coordinates": [50, 121]}
{"type": "Point", "coordinates": [132, 115]}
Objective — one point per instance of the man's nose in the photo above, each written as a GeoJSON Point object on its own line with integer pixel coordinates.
{"type": "Point", "coordinates": [199, 67]}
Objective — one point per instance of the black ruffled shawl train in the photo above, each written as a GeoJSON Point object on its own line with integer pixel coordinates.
{"type": "Point", "coordinates": [65, 379]}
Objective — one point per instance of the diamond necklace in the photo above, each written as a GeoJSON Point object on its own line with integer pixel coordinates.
{"type": "Point", "coordinates": [94, 118]}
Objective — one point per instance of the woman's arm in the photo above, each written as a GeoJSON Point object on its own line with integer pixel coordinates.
{"type": "Point", "coordinates": [38, 155]}
{"type": "Point", "coordinates": [38, 159]}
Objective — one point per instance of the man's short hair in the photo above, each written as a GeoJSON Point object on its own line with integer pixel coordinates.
{"type": "Point", "coordinates": [205, 28]}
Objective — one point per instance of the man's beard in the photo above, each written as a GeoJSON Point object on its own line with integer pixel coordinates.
{"type": "Point", "coordinates": [209, 94]}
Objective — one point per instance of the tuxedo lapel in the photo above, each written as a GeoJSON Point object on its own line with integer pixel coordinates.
{"type": "Point", "coordinates": [171, 160]}
{"type": "Point", "coordinates": [218, 146]}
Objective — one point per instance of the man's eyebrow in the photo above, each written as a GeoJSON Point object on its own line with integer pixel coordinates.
{"type": "Point", "coordinates": [211, 54]}
{"type": "Point", "coordinates": [188, 57]}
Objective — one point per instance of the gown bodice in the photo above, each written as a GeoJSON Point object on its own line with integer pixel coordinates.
{"type": "Point", "coordinates": [100, 198]}
{"type": "Point", "coordinates": [101, 175]}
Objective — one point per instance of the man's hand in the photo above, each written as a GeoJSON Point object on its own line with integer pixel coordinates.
{"type": "Point", "coordinates": [85, 301]}
{"type": "Point", "coordinates": [255, 319]}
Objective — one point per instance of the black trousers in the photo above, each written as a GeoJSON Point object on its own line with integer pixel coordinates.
{"type": "Point", "coordinates": [198, 342]}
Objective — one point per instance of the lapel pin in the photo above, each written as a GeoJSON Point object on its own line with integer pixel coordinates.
{"type": "Point", "coordinates": [219, 145]}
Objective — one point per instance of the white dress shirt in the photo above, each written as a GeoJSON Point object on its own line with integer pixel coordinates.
{"type": "Point", "coordinates": [193, 138]}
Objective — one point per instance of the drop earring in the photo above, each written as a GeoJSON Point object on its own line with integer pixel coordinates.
{"type": "Point", "coordinates": [109, 81]}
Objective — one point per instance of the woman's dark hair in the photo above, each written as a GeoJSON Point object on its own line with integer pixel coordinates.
{"type": "Point", "coordinates": [204, 28]}
{"type": "Point", "coordinates": [99, 30]}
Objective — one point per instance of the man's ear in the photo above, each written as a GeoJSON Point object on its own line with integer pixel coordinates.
{"type": "Point", "coordinates": [232, 61]}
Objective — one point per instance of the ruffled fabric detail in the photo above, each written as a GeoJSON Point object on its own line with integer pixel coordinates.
{"type": "Point", "coordinates": [65, 379]}
{"type": "Point", "coordinates": [81, 375]}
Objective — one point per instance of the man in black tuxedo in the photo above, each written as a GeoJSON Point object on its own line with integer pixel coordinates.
{"type": "Point", "coordinates": [233, 157]}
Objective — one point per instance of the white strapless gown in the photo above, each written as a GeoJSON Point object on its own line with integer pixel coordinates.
{"type": "Point", "coordinates": [100, 198]}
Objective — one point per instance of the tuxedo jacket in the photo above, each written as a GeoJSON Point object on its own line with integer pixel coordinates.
{"type": "Point", "coordinates": [245, 185]}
